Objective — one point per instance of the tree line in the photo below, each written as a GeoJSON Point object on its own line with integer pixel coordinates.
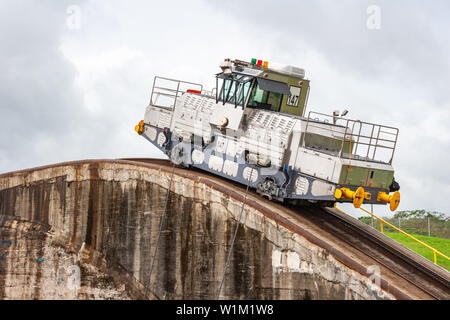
{"type": "Point", "coordinates": [423, 222]}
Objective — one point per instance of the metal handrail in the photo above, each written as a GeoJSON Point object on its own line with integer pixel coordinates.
{"type": "Point", "coordinates": [355, 135]}
{"type": "Point", "coordinates": [359, 135]}
{"type": "Point", "coordinates": [435, 252]}
{"type": "Point", "coordinates": [167, 89]}
{"type": "Point", "coordinates": [175, 92]}
{"type": "Point", "coordinates": [372, 142]}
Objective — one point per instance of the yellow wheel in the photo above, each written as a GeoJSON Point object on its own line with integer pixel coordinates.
{"type": "Point", "coordinates": [394, 201]}
{"type": "Point", "coordinates": [358, 197]}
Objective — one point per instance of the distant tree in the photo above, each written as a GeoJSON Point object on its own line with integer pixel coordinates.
{"type": "Point", "coordinates": [366, 220]}
{"type": "Point", "coordinates": [415, 222]}
{"type": "Point", "coordinates": [421, 214]}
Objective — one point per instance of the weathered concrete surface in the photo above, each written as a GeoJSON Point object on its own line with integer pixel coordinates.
{"type": "Point", "coordinates": [104, 217]}
{"type": "Point", "coordinates": [35, 266]}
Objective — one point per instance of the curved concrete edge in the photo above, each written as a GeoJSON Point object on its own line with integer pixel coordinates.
{"type": "Point", "coordinates": [261, 210]}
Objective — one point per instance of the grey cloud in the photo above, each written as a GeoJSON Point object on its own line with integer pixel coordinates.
{"type": "Point", "coordinates": [393, 75]}
{"type": "Point", "coordinates": [411, 45]}
{"type": "Point", "coordinates": [38, 100]}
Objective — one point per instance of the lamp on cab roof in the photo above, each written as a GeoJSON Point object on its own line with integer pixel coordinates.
{"type": "Point", "coordinates": [226, 66]}
{"type": "Point", "coordinates": [260, 63]}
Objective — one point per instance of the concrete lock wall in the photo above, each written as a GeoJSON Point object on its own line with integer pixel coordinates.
{"type": "Point", "coordinates": [103, 218]}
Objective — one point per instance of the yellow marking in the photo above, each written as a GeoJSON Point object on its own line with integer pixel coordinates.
{"type": "Point", "coordinates": [338, 193]}
{"type": "Point", "coordinates": [349, 155]}
{"type": "Point", "coordinates": [139, 127]}
{"type": "Point", "coordinates": [401, 231]}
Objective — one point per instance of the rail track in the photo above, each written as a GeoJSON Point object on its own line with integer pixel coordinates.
{"type": "Point", "coordinates": [419, 272]}
{"type": "Point", "coordinates": [400, 260]}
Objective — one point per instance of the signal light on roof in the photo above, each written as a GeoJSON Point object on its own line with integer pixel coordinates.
{"type": "Point", "coordinates": [260, 63]}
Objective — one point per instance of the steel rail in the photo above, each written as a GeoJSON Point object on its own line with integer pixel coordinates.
{"type": "Point", "coordinates": [397, 253]}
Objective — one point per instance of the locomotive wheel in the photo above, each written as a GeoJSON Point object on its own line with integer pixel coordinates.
{"type": "Point", "coordinates": [177, 156]}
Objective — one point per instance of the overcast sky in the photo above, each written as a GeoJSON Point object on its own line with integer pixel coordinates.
{"type": "Point", "coordinates": [76, 75]}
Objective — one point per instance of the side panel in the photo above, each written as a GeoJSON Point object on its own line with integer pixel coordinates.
{"type": "Point", "coordinates": [158, 116]}
{"type": "Point", "coordinates": [192, 116]}
{"type": "Point", "coordinates": [292, 104]}
{"type": "Point", "coordinates": [268, 134]}
{"type": "Point", "coordinates": [366, 177]}
{"type": "Point", "coordinates": [354, 175]}
{"type": "Point", "coordinates": [327, 143]}
{"type": "Point", "coordinates": [316, 164]}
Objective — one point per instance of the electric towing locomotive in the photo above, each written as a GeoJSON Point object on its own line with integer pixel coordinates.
{"type": "Point", "coordinates": [252, 129]}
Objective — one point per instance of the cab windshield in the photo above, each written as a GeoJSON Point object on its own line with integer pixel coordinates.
{"type": "Point", "coordinates": [261, 93]}
{"type": "Point", "coordinates": [235, 88]}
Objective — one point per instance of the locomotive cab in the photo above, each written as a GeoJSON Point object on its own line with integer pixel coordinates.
{"type": "Point", "coordinates": [256, 86]}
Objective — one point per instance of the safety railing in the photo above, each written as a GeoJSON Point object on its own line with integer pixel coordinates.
{"type": "Point", "coordinates": [369, 136]}
{"type": "Point", "coordinates": [382, 221]}
{"type": "Point", "coordinates": [165, 91]}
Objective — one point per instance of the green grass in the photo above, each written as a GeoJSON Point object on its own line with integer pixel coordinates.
{"type": "Point", "coordinates": [440, 244]}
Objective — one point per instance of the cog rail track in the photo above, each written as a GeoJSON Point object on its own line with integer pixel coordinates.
{"type": "Point", "coordinates": [413, 268]}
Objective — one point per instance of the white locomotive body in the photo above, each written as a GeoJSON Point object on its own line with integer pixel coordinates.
{"type": "Point", "coordinates": [251, 129]}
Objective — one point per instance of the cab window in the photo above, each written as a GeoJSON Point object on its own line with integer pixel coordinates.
{"type": "Point", "coordinates": [235, 88]}
{"type": "Point", "coordinates": [262, 99]}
